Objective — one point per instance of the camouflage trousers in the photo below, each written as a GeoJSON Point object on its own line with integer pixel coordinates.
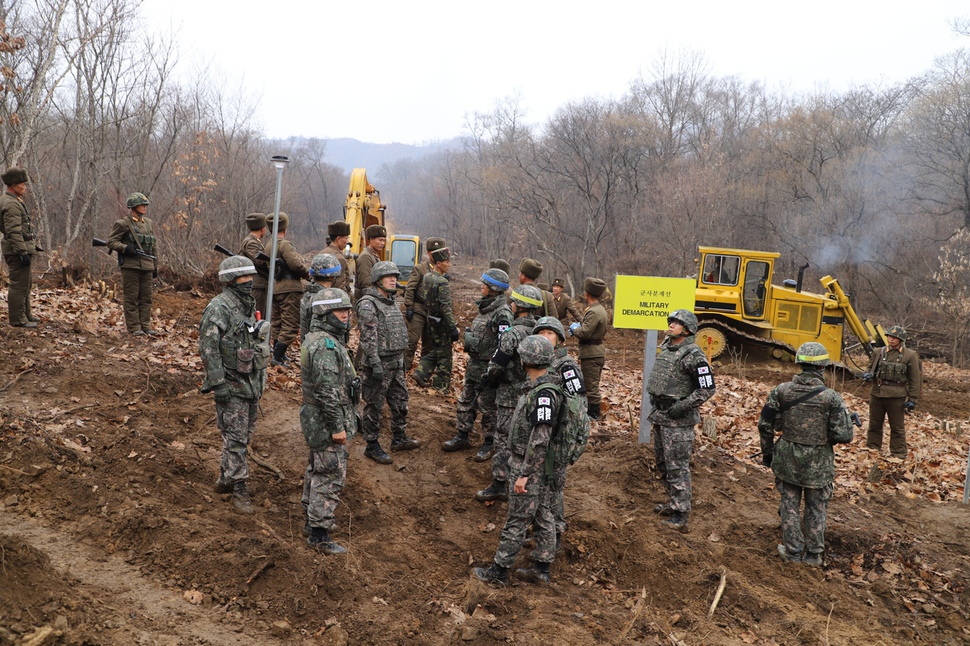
{"type": "Point", "coordinates": [286, 317]}
{"type": "Point", "coordinates": [391, 389]}
{"type": "Point", "coordinates": [435, 366]}
{"type": "Point", "coordinates": [237, 422]}
{"type": "Point", "coordinates": [323, 481]}
{"type": "Point", "coordinates": [137, 286]}
{"type": "Point", "coordinates": [808, 535]}
{"type": "Point", "coordinates": [18, 294]}
{"type": "Point", "coordinates": [672, 448]}
{"type": "Point", "coordinates": [500, 442]}
{"type": "Point", "coordinates": [535, 509]}
{"type": "Point", "coordinates": [476, 396]}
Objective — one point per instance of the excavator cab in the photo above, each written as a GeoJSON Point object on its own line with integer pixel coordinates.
{"type": "Point", "coordinates": [405, 252]}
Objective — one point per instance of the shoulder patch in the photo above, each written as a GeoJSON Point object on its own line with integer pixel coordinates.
{"type": "Point", "coordinates": [542, 411]}
{"type": "Point", "coordinates": [330, 344]}
{"type": "Point", "coordinates": [704, 378]}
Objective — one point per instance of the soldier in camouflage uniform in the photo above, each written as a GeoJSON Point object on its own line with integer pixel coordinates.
{"type": "Point", "coordinates": [434, 369]}
{"type": "Point", "coordinates": [533, 491]}
{"type": "Point", "coordinates": [375, 238]}
{"type": "Point", "coordinates": [234, 353]}
{"type": "Point", "coordinates": [324, 270]}
{"type": "Point", "coordinates": [481, 341]}
{"type": "Point", "coordinates": [252, 248]}
{"type": "Point", "coordinates": [680, 382]}
{"type": "Point", "coordinates": [328, 415]}
{"type": "Point", "coordinates": [415, 311]}
{"type": "Point", "coordinates": [507, 374]}
{"type": "Point", "coordinates": [287, 290]}
{"type": "Point", "coordinates": [383, 340]}
{"type": "Point", "coordinates": [591, 332]}
{"type": "Point", "coordinates": [897, 378]}
{"type": "Point", "coordinates": [811, 418]}
{"type": "Point", "coordinates": [18, 245]}
{"type": "Point", "coordinates": [133, 238]}
{"type": "Point", "coordinates": [339, 234]}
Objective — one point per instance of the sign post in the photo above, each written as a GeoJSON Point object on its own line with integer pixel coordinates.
{"type": "Point", "coordinates": [644, 303]}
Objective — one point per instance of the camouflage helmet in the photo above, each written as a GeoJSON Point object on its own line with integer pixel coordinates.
{"type": "Point", "coordinates": [496, 279]}
{"type": "Point", "coordinates": [685, 318]}
{"type": "Point", "coordinates": [897, 331]}
{"type": "Point", "coordinates": [329, 300]}
{"type": "Point", "coordinates": [235, 266]}
{"type": "Point", "coordinates": [527, 297]}
{"type": "Point", "coordinates": [812, 354]}
{"type": "Point", "coordinates": [535, 350]}
{"type": "Point", "coordinates": [550, 323]}
{"type": "Point", "coordinates": [324, 265]}
{"type": "Point", "coordinates": [137, 199]}
{"type": "Point", "coordinates": [382, 269]}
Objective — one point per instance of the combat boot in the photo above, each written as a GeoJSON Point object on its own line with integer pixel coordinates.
{"type": "Point", "coordinates": [663, 509]}
{"type": "Point", "coordinates": [678, 521]}
{"type": "Point", "coordinates": [498, 490]}
{"type": "Point", "coordinates": [457, 443]}
{"type": "Point", "coordinates": [279, 355]}
{"type": "Point", "coordinates": [320, 539]}
{"type": "Point", "coordinates": [492, 574]}
{"type": "Point", "coordinates": [593, 411]}
{"type": "Point", "coordinates": [222, 487]}
{"type": "Point", "coordinates": [791, 557]}
{"type": "Point", "coordinates": [376, 453]}
{"type": "Point", "coordinates": [240, 498]}
{"type": "Point", "coordinates": [404, 443]}
{"type": "Point", "coordinates": [812, 558]}
{"type": "Point", "coordinates": [485, 452]}
{"type": "Point", "coordinates": [538, 573]}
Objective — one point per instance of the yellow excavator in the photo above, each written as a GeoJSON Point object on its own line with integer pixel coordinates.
{"type": "Point", "coordinates": [362, 209]}
{"type": "Point", "coordinates": [738, 308]}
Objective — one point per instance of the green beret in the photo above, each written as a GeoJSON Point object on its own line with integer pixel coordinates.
{"type": "Point", "coordinates": [255, 221]}
{"type": "Point", "coordinates": [14, 175]}
{"type": "Point", "coordinates": [375, 231]}
{"type": "Point", "coordinates": [531, 268]}
{"type": "Point", "coordinates": [338, 228]}
{"type": "Point", "coordinates": [594, 287]}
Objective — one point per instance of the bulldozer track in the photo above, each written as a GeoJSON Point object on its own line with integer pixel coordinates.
{"type": "Point", "coordinates": [734, 332]}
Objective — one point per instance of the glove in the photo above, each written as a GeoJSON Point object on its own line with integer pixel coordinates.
{"type": "Point", "coordinates": [910, 405]}
{"type": "Point", "coordinates": [130, 250]}
{"type": "Point", "coordinates": [766, 459]}
{"type": "Point", "coordinates": [409, 314]}
{"type": "Point", "coordinates": [454, 335]}
{"type": "Point", "coordinates": [867, 376]}
{"type": "Point", "coordinates": [573, 327]}
{"type": "Point", "coordinates": [678, 409]}
{"type": "Point", "coordinates": [25, 260]}
{"type": "Point", "coordinates": [222, 392]}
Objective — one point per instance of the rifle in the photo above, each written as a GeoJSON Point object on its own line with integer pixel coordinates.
{"type": "Point", "coordinates": [96, 242]}
{"type": "Point", "coordinates": [260, 256]}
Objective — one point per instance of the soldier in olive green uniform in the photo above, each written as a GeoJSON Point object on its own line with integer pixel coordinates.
{"type": "Point", "coordinates": [434, 369]}
{"type": "Point", "coordinates": [18, 245]}
{"type": "Point", "coordinates": [415, 311]}
{"type": "Point", "coordinates": [680, 382]}
{"type": "Point", "coordinates": [375, 238]}
{"type": "Point", "coordinates": [287, 289]}
{"type": "Point", "coordinates": [811, 418]}
{"type": "Point", "coordinates": [133, 238]}
{"type": "Point", "coordinates": [591, 332]}
{"type": "Point", "coordinates": [563, 303]}
{"type": "Point", "coordinates": [529, 272]}
{"type": "Point", "coordinates": [234, 354]}
{"type": "Point", "coordinates": [383, 340]}
{"type": "Point", "coordinates": [897, 377]}
{"type": "Point", "coordinates": [328, 414]}
{"type": "Point", "coordinates": [507, 374]}
{"type": "Point", "coordinates": [339, 234]}
{"type": "Point", "coordinates": [324, 270]}
{"type": "Point", "coordinates": [252, 248]}
{"type": "Point", "coordinates": [501, 263]}
{"type": "Point", "coordinates": [481, 341]}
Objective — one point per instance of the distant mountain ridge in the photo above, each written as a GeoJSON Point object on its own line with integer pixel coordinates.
{"type": "Point", "coordinates": [349, 154]}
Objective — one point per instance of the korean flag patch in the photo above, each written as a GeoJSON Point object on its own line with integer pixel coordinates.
{"type": "Point", "coordinates": [543, 410]}
{"type": "Point", "coordinates": [502, 329]}
{"type": "Point", "coordinates": [704, 378]}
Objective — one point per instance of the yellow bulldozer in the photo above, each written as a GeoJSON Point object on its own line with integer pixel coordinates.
{"type": "Point", "coordinates": [738, 308]}
{"type": "Point", "coordinates": [362, 209]}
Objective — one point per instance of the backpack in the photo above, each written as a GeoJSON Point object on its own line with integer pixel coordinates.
{"type": "Point", "coordinates": [570, 433]}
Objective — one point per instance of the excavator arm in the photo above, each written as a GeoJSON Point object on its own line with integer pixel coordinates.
{"type": "Point", "coordinates": [869, 335]}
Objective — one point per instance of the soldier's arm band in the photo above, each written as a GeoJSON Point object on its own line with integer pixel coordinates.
{"type": "Point", "coordinates": [501, 359]}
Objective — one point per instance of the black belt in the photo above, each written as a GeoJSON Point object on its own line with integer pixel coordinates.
{"type": "Point", "coordinates": [600, 342]}
{"type": "Point", "coordinates": [886, 382]}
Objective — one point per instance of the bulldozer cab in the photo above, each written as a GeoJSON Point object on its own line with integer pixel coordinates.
{"type": "Point", "coordinates": [404, 251]}
{"type": "Point", "coordinates": [725, 272]}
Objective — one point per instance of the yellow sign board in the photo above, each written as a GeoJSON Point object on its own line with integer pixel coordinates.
{"type": "Point", "coordinates": [644, 302]}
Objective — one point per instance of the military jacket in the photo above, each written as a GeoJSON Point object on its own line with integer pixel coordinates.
{"type": "Point", "coordinates": [533, 422]}
{"type": "Point", "coordinates": [564, 307]}
{"type": "Point", "coordinates": [229, 346]}
{"type": "Point", "coordinates": [143, 238]}
{"type": "Point", "coordinates": [328, 374]}
{"type": "Point", "coordinates": [252, 247]}
{"type": "Point", "coordinates": [803, 454]}
{"type": "Point", "coordinates": [383, 332]}
{"type": "Point", "coordinates": [343, 278]}
{"type": "Point", "coordinates": [365, 262]}
{"type": "Point", "coordinates": [896, 373]}
{"type": "Point", "coordinates": [306, 307]}
{"type": "Point", "coordinates": [436, 294]}
{"type": "Point", "coordinates": [506, 359]}
{"type": "Point", "coordinates": [494, 318]}
{"type": "Point", "coordinates": [412, 299]}
{"type": "Point", "coordinates": [568, 373]}
{"type": "Point", "coordinates": [592, 331]}
{"type": "Point", "coordinates": [295, 267]}
{"type": "Point", "coordinates": [16, 227]}
{"type": "Point", "coordinates": [681, 373]}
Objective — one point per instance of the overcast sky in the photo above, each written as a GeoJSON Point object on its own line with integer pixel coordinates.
{"type": "Point", "coordinates": [411, 72]}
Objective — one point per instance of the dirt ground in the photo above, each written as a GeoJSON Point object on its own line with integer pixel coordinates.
{"type": "Point", "coordinates": [110, 532]}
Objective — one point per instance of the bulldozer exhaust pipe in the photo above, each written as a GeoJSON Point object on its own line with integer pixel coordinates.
{"type": "Point", "coordinates": [801, 276]}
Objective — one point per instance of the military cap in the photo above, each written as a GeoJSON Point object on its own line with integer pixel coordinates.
{"type": "Point", "coordinates": [559, 282]}
{"type": "Point", "coordinates": [543, 286]}
{"type": "Point", "coordinates": [441, 255]}
{"type": "Point", "coordinates": [501, 263]}
{"type": "Point", "coordinates": [136, 199]}
{"type": "Point", "coordinates": [338, 228]}
{"type": "Point", "coordinates": [375, 231]}
{"type": "Point", "coordinates": [897, 331]}
{"type": "Point", "coordinates": [14, 175]}
{"type": "Point", "coordinates": [434, 243]}
{"type": "Point", "coordinates": [530, 268]}
{"type": "Point", "coordinates": [594, 287]}
{"type": "Point", "coordinates": [256, 221]}
{"type": "Point", "coordinates": [284, 221]}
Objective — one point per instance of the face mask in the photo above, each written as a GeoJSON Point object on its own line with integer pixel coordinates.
{"type": "Point", "coordinates": [245, 288]}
